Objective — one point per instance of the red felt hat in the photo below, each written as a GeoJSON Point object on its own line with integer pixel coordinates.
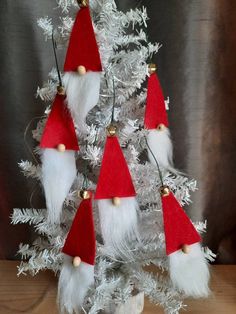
{"type": "Point", "coordinates": [59, 128]}
{"type": "Point", "coordinates": [81, 239]}
{"type": "Point", "coordinates": [114, 179]}
{"type": "Point", "coordinates": [155, 113]}
{"type": "Point", "coordinates": [178, 228]}
{"type": "Point", "coordinates": [83, 49]}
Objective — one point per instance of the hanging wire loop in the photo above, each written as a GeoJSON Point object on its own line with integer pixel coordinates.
{"type": "Point", "coordinates": [158, 166]}
{"type": "Point", "coordinates": [54, 44]}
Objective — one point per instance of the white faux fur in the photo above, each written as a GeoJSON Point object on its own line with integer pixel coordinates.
{"type": "Point", "coordinates": [58, 174]}
{"type": "Point", "coordinates": [119, 224]}
{"type": "Point", "coordinates": [161, 146]}
{"type": "Point", "coordinates": [73, 285]}
{"type": "Point", "coordinates": [82, 95]}
{"type": "Point", "coordinates": [189, 272]}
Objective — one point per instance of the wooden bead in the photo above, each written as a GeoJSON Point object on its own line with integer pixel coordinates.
{"type": "Point", "coordinates": [152, 68]}
{"type": "Point", "coordinates": [61, 90]}
{"type": "Point", "coordinates": [111, 130]}
{"type": "Point", "coordinates": [81, 70]}
{"type": "Point", "coordinates": [165, 191]}
{"type": "Point", "coordinates": [84, 194]}
{"type": "Point", "coordinates": [186, 249]}
{"type": "Point", "coordinates": [161, 127]}
{"type": "Point", "coordinates": [116, 201]}
{"type": "Point", "coordinates": [76, 261]}
{"type": "Point", "coordinates": [61, 148]}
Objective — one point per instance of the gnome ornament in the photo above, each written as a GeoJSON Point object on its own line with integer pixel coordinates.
{"type": "Point", "coordinates": [156, 121]}
{"type": "Point", "coordinates": [115, 195]}
{"type": "Point", "coordinates": [58, 144]}
{"type": "Point", "coordinates": [82, 67]}
{"type": "Point", "coordinates": [188, 267]}
{"type": "Point", "coordinates": [77, 273]}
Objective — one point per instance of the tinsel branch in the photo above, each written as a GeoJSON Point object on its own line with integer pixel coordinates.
{"type": "Point", "coordinates": [157, 287]}
{"type": "Point", "coordinates": [46, 24]}
{"type": "Point", "coordinates": [30, 170]}
{"type": "Point", "coordinates": [66, 4]}
{"type": "Point", "coordinates": [30, 216]}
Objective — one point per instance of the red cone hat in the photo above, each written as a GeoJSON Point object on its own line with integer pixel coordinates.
{"type": "Point", "coordinates": [114, 179]}
{"type": "Point", "coordinates": [178, 228]}
{"type": "Point", "coordinates": [59, 128]}
{"type": "Point", "coordinates": [83, 49]}
{"type": "Point", "coordinates": [81, 239]}
{"type": "Point", "coordinates": [155, 113]}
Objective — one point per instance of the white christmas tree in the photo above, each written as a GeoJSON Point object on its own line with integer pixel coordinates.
{"type": "Point", "coordinates": [125, 52]}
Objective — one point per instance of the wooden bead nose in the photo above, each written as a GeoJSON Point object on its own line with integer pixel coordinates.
{"type": "Point", "coordinates": [161, 127]}
{"type": "Point", "coordinates": [76, 261]}
{"type": "Point", "coordinates": [186, 249]}
{"type": "Point", "coordinates": [81, 70]}
{"type": "Point", "coordinates": [61, 148]}
{"type": "Point", "coordinates": [116, 201]}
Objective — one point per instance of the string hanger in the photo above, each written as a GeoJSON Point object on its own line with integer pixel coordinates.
{"type": "Point", "coordinates": [113, 95]}
{"type": "Point", "coordinates": [164, 189]}
{"type": "Point", "coordinates": [84, 193]}
{"type": "Point", "coordinates": [114, 101]}
{"type": "Point", "coordinates": [158, 166]}
{"type": "Point", "coordinates": [112, 129]}
{"type": "Point", "coordinates": [85, 172]}
{"type": "Point", "coordinates": [60, 88]}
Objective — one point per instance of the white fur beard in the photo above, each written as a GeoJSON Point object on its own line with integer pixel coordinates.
{"type": "Point", "coordinates": [119, 224]}
{"type": "Point", "coordinates": [82, 93]}
{"type": "Point", "coordinates": [189, 272]}
{"type": "Point", "coordinates": [58, 174]}
{"type": "Point", "coordinates": [73, 285]}
{"type": "Point", "coordinates": [161, 146]}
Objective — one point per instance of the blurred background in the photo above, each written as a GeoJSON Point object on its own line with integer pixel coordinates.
{"type": "Point", "coordinates": [197, 70]}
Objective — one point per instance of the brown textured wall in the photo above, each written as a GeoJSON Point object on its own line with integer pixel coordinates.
{"type": "Point", "coordinates": [219, 141]}
{"type": "Point", "coordinates": [24, 62]}
{"type": "Point", "coordinates": [197, 67]}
